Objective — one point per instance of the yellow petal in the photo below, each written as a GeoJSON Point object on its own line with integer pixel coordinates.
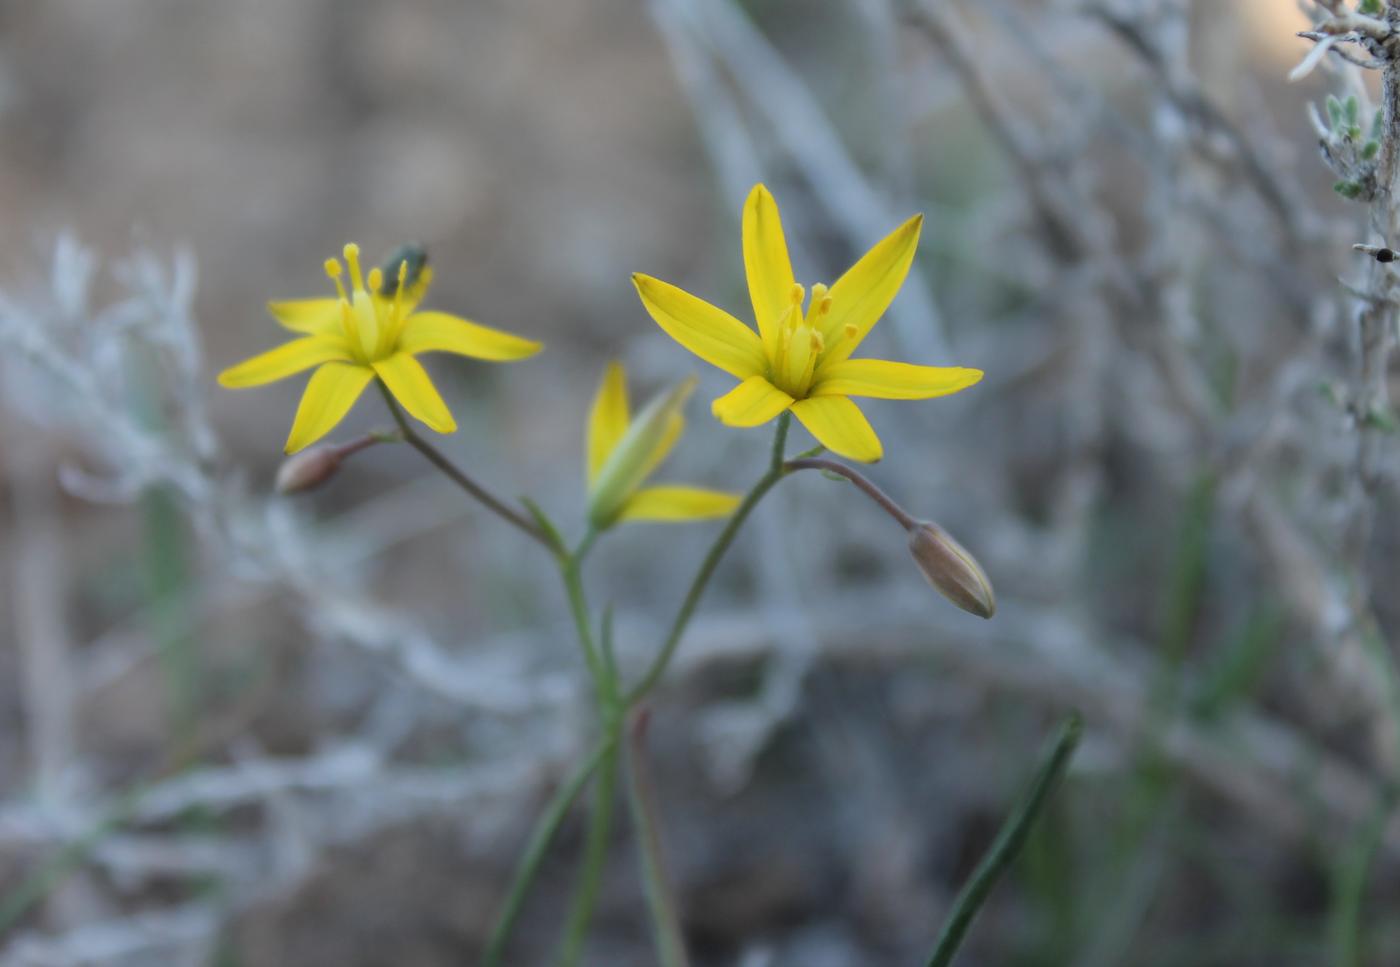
{"type": "Point", "coordinates": [840, 426]}
{"type": "Point", "coordinates": [286, 360]}
{"type": "Point", "coordinates": [678, 504]}
{"type": "Point", "coordinates": [753, 402]}
{"type": "Point", "coordinates": [409, 382]}
{"type": "Point", "coordinates": [311, 316]}
{"type": "Point", "coordinates": [440, 332]}
{"type": "Point", "coordinates": [675, 426]}
{"type": "Point", "coordinates": [710, 333]}
{"type": "Point", "coordinates": [329, 395]}
{"type": "Point", "coordinates": [891, 381]}
{"type": "Point", "coordinates": [607, 421]}
{"type": "Point", "coordinates": [766, 264]}
{"type": "Point", "coordinates": [860, 297]}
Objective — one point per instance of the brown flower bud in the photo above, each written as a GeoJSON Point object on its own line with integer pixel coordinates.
{"type": "Point", "coordinates": [308, 469]}
{"type": "Point", "coordinates": [953, 572]}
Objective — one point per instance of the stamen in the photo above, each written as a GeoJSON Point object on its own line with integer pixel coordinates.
{"type": "Point", "coordinates": [403, 273]}
{"type": "Point", "coordinates": [850, 330]}
{"type": "Point", "coordinates": [375, 279]}
{"type": "Point", "coordinates": [352, 258]}
{"type": "Point", "coordinates": [821, 304]}
{"type": "Point", "coordinates": [333, 270]}
{"type": "Point", "coordinates": [797, 294]}
{"type": "Point", "coordinates": [818, 343]}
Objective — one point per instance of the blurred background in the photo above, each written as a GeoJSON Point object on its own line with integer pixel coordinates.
{"type": "Point", "coordinates": [244, 729]}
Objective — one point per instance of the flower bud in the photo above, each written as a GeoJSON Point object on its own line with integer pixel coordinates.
{"type": "Point", "coordinates": [953, 572]}
{"type": "Point", "coordinates": [308, 469]}
{"type": "Point", "coordinates": [634, 456]}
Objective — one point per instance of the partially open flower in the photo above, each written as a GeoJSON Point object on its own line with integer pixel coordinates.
{"type": "Point", "coordinates": [951, 569]}
{"type": "Point", "coordinates": [624, 451]}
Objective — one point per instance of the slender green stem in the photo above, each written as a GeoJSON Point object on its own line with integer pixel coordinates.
{"type": "Point", "coordinates": [595, 851]}
{"type": "Point", "coordinates": [540, 838]}
{"type": "Point", "coordinates": [483, 496]}
{"type": "Point", "coordinates": [1349, 885]}
{"type": "Point", "coordinates": [707, 567]}
{"type": "Point", "coordinates": [1007, 844]}
{"type": "Point", "coordinates": [570, 569]}
{"type": "Point", "coordinates": [646, 815]}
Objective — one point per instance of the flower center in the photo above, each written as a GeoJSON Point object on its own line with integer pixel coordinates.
{"type": "Point", "coordinates": [800, 341]}
{"type": "Point", "coordinates": [370, 322]}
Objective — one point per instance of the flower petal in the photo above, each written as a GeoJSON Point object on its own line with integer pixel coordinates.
{"type": "Point", "coordinates": [329, 395]}
{"type": "Point", "coordinates": [287, 359]}
{"type": "Point", "coordinates": [675, 426]}
{"type": "Point", "coordinates": [766, 264]}
{"type": "Point", "coordinates": [709, 332]}
{"type": "Point", "coordinates": [676, 503]}
{"type": "Point", "coordinates": [753, 402]}
{"type": "Point", "coordinates": [840, 426]}
{"type": "Point", "coordinates": [311, 316]}
{"type": "Point", "coordinates": [860, 297]}
{"type": "Point", "coordinates": [891, 381]}
{"type": "Point", "coordinates": [409, 382]}
{"type": "Point", "coordinates": [608, 419]}
{"type": "Point", "coordinates": [425, 332]}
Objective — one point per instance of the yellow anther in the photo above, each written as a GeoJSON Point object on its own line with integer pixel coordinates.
{"type": "Point", "coordinates": [403, 273]}
{"type": "Point", "coordinates": [352, 258]}
{"type": "Point", "coordinates": [819, 291]}
{"type": "Point", "coordinates": [796, 294]}
{"type": "Point", "coordinates": [824, 306]}
{"type": "Point", "coordinates": [376, 279]}
{"type": "Point", "coordinates": [333, 270]}
{"type": "Point", "coordinates": [851, 331]}
{"type": "Point", "coordinates": [818, 343]}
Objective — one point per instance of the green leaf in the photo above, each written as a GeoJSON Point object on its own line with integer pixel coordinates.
{"type": "Point", "coordinates": [1353, 109]}
{"type": "Point", "coordinates": [1335, 113]}
{"type": "Point", "coordinates": [1378, 125]}
{"type": "Point", "coordinates": [1370, 8]}
{"type": "Point", "coordinates": [1369, 150]}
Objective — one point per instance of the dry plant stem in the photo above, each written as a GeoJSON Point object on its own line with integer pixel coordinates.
{"type": "Point", "coordinates": [712, 558]}
{"type": "Point", "coordinates": [1010, 838]}
{"type": "Point", "coordinates": [670, 945]}
{"type": "Point", "coordinates": [860, 480]}
{"type": "Point", "coordinates": [478, 492]}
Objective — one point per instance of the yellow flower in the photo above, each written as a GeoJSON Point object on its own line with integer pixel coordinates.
{"type": "Point", "coordinates": [371, 332]}
{"type": "Point", "coordinates": [801, 361]}
{"type": "Point", "coordinates": [623, 452]}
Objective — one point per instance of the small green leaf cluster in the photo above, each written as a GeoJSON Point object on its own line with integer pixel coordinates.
{"type": "Point", "coordinates": [1351, 149]}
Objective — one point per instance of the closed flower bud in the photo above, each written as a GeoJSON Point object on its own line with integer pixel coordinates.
{"type": "Point", "coordinates": [308, 469]}
{"type": "Point", "coordinates": [953, 572]}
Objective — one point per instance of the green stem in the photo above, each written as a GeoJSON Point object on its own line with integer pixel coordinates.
{"type": "Point", "coordinates": [604, 677]}
{"type": "Point", "coordinates": [540, 838]}
{"type": "Point", "coordinates": [595, 851]}
{"type": "Point", "coordinates": [483, 496]}
{"type": "Point", "coordinates": [1349, 885]}
{"type": "Point", "coordinates": [707, 567]}
{"type": "Point", "coordinates": [670, 946]}
{"type": "Point", "coordinates": [1008, 843]}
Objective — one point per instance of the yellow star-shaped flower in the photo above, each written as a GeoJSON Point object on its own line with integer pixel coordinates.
{"type": "Point", "coordinates": [801, 361]}
{"type": "Point", "coordinates": [371, 332]}
{"type": "Point", "coordinates": [623, 452]}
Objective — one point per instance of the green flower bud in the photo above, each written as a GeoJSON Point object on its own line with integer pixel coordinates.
{"type": "Point", "coordinates": [632, 459]}
{"type": "Point", "coordinates": [953, 572]}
